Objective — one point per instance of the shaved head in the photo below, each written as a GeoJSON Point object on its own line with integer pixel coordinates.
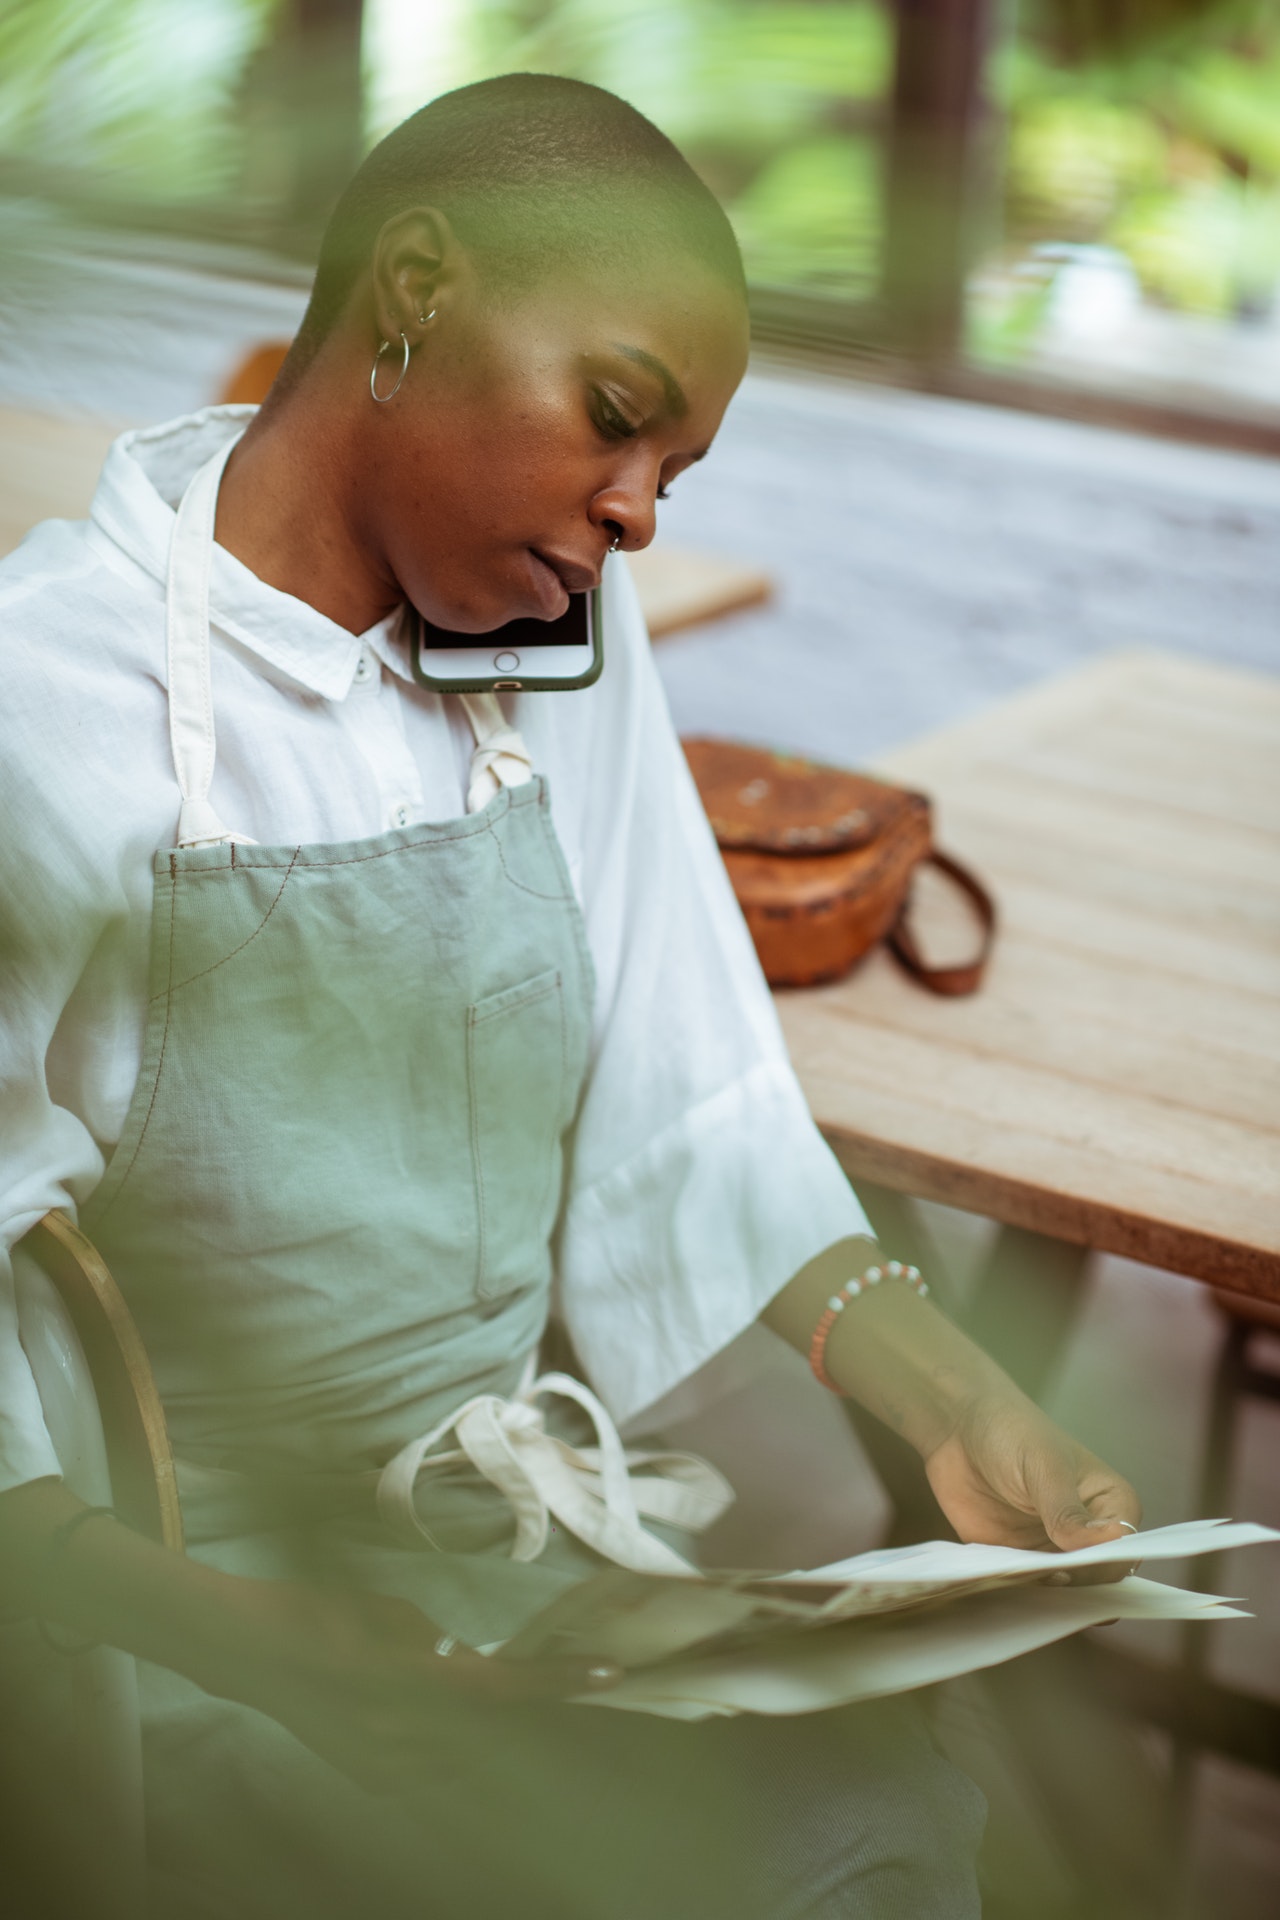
{"type": "Point", "coordinates": [540, 177]}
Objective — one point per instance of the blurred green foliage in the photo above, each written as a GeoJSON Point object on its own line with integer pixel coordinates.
{"type": "Point", "coordinates": [1150, 127]}
{"type": "Point", "coordinates": [779, 103]}
{"type": "Point", "coordinates": [146, 92]}
{"type": "Point", "coordinates": [1165, 147]}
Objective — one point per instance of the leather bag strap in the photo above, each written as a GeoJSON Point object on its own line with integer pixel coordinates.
{"type": "Point", "coordinates": [951, 980]}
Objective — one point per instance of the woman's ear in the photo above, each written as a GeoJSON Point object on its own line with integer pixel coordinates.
{"type": "Point", "coordinates": [416, 262]}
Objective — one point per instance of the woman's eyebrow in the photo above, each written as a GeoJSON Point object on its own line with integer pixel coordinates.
{"type": "Point", "coordinates": [673, 392]}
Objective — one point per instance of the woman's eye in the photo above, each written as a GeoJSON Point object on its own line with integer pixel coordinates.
{"type": "Point", "coordinates": [610, 418]}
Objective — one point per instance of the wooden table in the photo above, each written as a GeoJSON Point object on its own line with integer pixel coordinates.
{"type": "Point", "coordinates": [1115, 1084]}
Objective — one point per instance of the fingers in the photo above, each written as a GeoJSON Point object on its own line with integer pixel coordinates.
{"type": "Point", "coordinates": [1081, 1503]}
{"type": "Point", "coordinates": [405, 1746]}
{"type": "Point", "coordinates": [556, 1679]}
{"type": "Point", "coordinates": [1084, 1508]}
{"type": "Point", "coordinates": [599, 1677]}
{"type": "Point", "coordinates": [1070, 1523]}
{"type": "Point", "coordinates": [531, 1679]}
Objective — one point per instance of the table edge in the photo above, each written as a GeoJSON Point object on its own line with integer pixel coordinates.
{"type": "Point", "coordinates": [1219, 1262]}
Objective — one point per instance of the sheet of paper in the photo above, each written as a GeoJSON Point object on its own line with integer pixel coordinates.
{"type": "Point", "coordinates": [946, 1562]}
{"type": "Point", "coordinates": [864, 1660]}
{"type": "Point", "coordinates": [638, 1619]}
{"type": "Point", "coordinates": [892, 1579]}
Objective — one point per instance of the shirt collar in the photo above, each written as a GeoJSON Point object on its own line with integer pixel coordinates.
{"type": "Point", "coordinates": [145, 475]}
{"type": "Point", "coordinates": [390, 640]}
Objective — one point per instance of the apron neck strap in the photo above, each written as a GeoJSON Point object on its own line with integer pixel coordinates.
{"type": "Point", "coordinates": [191, 730]}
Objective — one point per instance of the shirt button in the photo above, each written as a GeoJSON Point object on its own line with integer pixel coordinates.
{"type": "Point", "coordinates": [400, 815]}
{"type": "Point", "coordinates": [365, 669]}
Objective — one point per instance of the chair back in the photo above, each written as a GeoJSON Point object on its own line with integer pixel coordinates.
{"type": "Point", "coordinates": [108, 1430]}
{"type": "Point", "coordinates": [65, 1289]}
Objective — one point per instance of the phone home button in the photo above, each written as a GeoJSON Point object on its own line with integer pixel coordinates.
{"type": "Point", "coordinates": [506, 662]}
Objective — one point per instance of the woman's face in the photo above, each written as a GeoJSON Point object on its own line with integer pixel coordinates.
{"type": "Point", "coordinates": [530, 434]}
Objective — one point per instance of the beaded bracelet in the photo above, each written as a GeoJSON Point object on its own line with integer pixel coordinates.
{"type": "Point", "coordinates": [891, 1270]}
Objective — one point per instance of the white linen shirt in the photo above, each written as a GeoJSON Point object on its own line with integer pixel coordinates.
{"type": "Point", "coordinates": [698, 1183]}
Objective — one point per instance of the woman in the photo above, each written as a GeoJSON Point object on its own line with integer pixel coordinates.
{"type": "Point", "coordinates": [397, 1064]}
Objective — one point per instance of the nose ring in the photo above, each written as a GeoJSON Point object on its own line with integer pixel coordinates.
{"type": "Point", "coordinates": [615, 543]}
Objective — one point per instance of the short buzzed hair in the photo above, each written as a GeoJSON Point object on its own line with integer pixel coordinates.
{"type": "Point", "coordinates": [537, 174]}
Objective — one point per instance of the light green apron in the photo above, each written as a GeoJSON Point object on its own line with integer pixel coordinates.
{"type": "Point", "coordinates": [332, 1210]}
{"type": "Point", "coordinates": [332, 1205]}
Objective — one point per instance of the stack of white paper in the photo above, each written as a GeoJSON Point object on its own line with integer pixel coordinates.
{"type": "Point", "coordinates": [723, 1643]}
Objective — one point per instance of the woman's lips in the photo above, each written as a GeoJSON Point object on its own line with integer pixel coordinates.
{"type": "Point", "coordinates": [549, 589]}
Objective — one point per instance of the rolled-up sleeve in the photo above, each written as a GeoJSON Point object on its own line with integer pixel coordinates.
{"type": "Point", "coordinates": [699, 1183]}
{"type": "Point", "coordinates": [48, 1156]}
{"type": "Point", "coordinates": [59, 897]}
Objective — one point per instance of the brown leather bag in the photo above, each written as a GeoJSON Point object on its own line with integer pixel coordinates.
{"type": "Point", "coordinates": [822, 862]}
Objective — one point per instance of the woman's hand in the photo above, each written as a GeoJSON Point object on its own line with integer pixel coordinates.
{"type": "Point", "coordinates": [356, 1677]}
{"type": "Point", "coordinates": [1008, 1476]}
{"type": "Point", "coordinates": [1001, 1471]}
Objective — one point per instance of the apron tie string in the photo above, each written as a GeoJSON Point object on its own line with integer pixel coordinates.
{"type": "Point", "coordinates": [589, 1489]}
{"type": "Point", "coordinates": [501, 758]}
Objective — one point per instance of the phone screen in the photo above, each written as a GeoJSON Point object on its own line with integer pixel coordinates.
{"type": "Point", "coordinates": [535, 655]}
{"type": "Point", "coordinates": [570, 630]}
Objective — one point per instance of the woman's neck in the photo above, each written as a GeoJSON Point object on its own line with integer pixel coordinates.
{"type": "Point", "coordinates": [287, 510]}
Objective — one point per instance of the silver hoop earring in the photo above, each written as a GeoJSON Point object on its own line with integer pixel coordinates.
{"type": "Point", "coordinates": [425, 319]}
{"type": "Point", "coordinates": [382, 398]}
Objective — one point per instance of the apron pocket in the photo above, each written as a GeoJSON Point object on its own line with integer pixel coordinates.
{"type": "Point", "coordinates": [516, 1074]}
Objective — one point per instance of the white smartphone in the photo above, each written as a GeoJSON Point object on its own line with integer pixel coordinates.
{"type": "Point", "coordinates": [535, 656]}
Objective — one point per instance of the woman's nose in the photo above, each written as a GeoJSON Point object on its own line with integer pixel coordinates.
{"type": "Point", "coordinates": [627, 515]}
